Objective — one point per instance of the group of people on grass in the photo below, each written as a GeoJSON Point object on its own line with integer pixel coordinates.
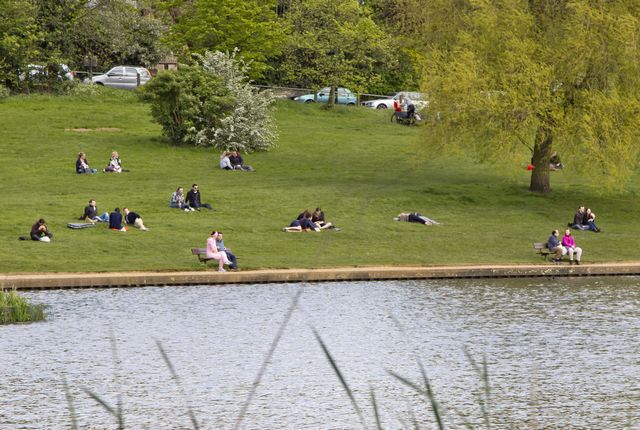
{"type": "Point", "coordinates": [309, 221]}
{"type": "Point", "coordinates": [583, 220]}
{"type": "Point", "coordinates": [189, 202]}
{"type": "Point", "coordinates": [232, 160]}
{"type": "Point", "coordinates": [115, 218]}
{"type": "Point", "coordinates": [114, 166]}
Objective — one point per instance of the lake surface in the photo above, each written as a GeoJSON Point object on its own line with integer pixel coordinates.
{"type": "Point", "coordinates": [561, 353]}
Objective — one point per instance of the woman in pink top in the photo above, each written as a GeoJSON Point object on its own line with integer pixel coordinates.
{"type": "Point", "coordinates": [570, 247]}
{"type": "Point", "coordinates": [213, 252]}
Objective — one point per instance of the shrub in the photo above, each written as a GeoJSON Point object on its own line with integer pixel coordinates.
{"type": "Point", "coordinates": [212, 103]}
{"type": "Point", "coordinates": [4, 92]}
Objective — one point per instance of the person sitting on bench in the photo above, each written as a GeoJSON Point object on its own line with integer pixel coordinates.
{"type": "Point", "coordinates": [555, 247]}
{"type": "Point", "coordinates": [215, 253]}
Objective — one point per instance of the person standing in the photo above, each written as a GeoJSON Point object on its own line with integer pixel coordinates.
{"type": "Point", "coordinates": [215, 253]}
{"type": "Point", "coordinates": [40, 231]}
{"type": "Point", "coordinates": [569, 244]}
{"type": "Point", "coordinates": [232, 258]}
{"type": "Point", "coordinates": [193, 199]}
{"type": "Point", "coordinates": [555, 246]}
{"type": "Point", "coordinates": [91, 213]}
{"type": "Point", "coordinates": [134, 219]}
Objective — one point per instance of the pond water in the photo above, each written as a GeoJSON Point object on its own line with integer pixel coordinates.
{"type": "Point", "coordinates": [560, 353]}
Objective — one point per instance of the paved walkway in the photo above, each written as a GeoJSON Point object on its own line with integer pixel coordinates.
{"type": "Point", "coordinates": [211, 277]}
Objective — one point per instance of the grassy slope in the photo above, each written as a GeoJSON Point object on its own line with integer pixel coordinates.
{"type": "Point", "coordinates": [360, 168]}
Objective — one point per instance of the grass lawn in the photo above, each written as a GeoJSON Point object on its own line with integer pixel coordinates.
{"type": "Point", "coordinates": [361, 169]}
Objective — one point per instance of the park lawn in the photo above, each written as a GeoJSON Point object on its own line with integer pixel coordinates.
{"type": "Point", "coordinates": [355, 164]}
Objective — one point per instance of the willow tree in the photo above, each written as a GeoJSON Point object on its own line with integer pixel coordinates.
{"type": "Point", "coordinates": [548, 75]}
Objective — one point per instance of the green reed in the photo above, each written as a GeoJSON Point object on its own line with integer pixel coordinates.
{"type": "Point", "coordinates": [15, 308]}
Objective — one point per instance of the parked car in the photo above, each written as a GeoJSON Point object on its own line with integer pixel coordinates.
{"type": "Point", "coordinates": [123, 77]}
{"type": "Point", "coordinates": [36, 72]}
{"type": "Point", "coordinates": [344, 96]}
{"type": "Point", "coordinates": [417, 99]}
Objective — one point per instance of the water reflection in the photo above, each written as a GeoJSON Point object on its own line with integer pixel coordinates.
{"type": "Point", "coordinates": [561, 354]}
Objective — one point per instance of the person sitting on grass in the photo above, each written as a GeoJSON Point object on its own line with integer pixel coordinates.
{"type": "Point", "coordinates": [115, 164]}
{"type": "Point", "coordinates": [134, 219]}
{"type": "Point", "coordinates": [317, 217]}
{"type": "Point", "coordinates": [232, 258]}
{"type": "Point", "coordinates": [82, 165]}
{"type": "Point", "coordinates": [40, 231]}
{"type": "Point", "coordinates": [555, 246]}
{"type": "Point", "coordinates": [177, 200]}
{"type": "Point", "coordinates": [193, 199]}
{"type": "Point", "coordinates": [302, 223]}
{"type": "Point", "coordinates": [578, 219]}
{"type": "Point", "coordinates": [589, 222]}
{"type": "Point", "coordinates": [237, 163]}
{"type": "Point", "coordinates": [225, 163]}
{"type": "Point", "coordinates": [215, 253]}
{"type": "Point", "coordinates": [570, 247]}
{"type": "Point", "coordinates": [115, 220]}
{"type": "Point", "coordinates": [91, 213]}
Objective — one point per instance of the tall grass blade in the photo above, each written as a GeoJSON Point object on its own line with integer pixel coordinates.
{"type": "Point", "coordinates": [72, 410]}
{"type": "Point", "coordinates": [432, 397]}
{"type": "Point", "coordinates": [376, 413]}
{"type": "Point", "coordinates": [116, 379]}
{"type": "Point", "coordinates": [427, 392]}
{"type": "Point", "coordinates": [176, 378]}
{"type": "Point", "coordinates": [483, 373]}
{"type": "Point", "coordinates": [267, 359]}
{"type": "Point", "coordinates": [102, 403]}
{"type": "Point", "coordinates": [343, 381]}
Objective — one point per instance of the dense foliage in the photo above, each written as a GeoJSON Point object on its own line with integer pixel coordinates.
{"type": "Point", "coordinates": [211, 103]}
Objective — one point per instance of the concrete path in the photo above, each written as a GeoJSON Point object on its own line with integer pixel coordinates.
{"type": "Point", "coordinates": [211, 277]}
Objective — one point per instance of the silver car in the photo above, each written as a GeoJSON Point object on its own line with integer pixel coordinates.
{"type": "Point", "coordinates": [417, 99]}
{"type": "Point", "coordinates": [126, 77]}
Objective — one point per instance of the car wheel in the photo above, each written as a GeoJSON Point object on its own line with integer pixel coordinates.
{"type": "Point", "coordinates": [381, 106]}
{"type": "Point", "coordinates": [100, 83]}
{"type": "Point", "coordinates": [351, 104]}
{"type": "Point", "coordinates": [309, 101]}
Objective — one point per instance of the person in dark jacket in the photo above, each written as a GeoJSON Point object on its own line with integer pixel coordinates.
{"type": "Point", "coordinates": [134, 219]}
{"type": "Point", "coordinates": [193, 199]}
{"type": "Point", "coordinates": [555, 246]}
{"type": "Point", "coordinates": [40, 231]}
{"type": "Point", "coordinates": [91, 213]}
{"type": "Point", "coordinates": [237, 163]}
{"type": "Point", "coordinates": [82, 165]}
{"type": "Point", "coordinates": [115, 220]}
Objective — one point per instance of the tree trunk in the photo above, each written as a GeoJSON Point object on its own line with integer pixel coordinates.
{"type": "Point", "coordinates": [540, 161]}
{"type": "Point", "coordinates": [332, 97]}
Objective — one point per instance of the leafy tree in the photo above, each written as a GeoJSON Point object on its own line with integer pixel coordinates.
{"type": "Point", "coordinates": [251, 26]}
{"type": "Point", "coordinates": [334, 42]}
{"type": "Point", "coordinates": [18, 37]}
{"type": "Point", "coordinates": [212, 103]}
{"type": "Point", "coordinates": [185, 101]}
{"type": "Point", "coordinates": [551, 75]}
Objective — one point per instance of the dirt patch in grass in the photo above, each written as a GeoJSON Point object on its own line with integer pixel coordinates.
{"type": "Point", "coordinates": [86, 130]}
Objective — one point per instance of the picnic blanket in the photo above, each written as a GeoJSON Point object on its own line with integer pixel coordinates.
{"type": "Point", "coordinates": [77, 225]}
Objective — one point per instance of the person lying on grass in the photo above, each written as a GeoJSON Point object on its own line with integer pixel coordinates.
{"type": "Point", "coordinates": [134, 219]}
{"type": "Point", "coordinates": [303, 223]}
{"type": "Point", "coordinates": [415, 217]}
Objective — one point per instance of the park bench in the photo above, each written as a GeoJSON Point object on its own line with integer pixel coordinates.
{"type": "Point", "coordinates": [201, 253]}
{"type": "Point", "coordinates": [541, 248]}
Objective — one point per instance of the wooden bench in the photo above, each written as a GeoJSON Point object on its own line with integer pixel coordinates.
{"type": "Point", "coordinates": [202, 254]}
{"type": "Point", "coordinates": [541, 248]}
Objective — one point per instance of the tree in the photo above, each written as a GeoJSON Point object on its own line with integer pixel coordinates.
{"type": "Point", "coordinates": [334, 42]}
{"type": "Point", "coordinates": [549, 75]}
{"type": "Point", "coordinates": [251, 26]}
{"type": "Point", "coordinates": [18, 38]}
{"type": "Point", "coordinates": [211, 103]}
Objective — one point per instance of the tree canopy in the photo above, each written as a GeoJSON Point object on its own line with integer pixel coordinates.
{"type": "Point", "coordinates": [549, 75]}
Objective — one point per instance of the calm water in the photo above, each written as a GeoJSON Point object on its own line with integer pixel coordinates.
{"type": "Point", "coordinates": [561, 353]}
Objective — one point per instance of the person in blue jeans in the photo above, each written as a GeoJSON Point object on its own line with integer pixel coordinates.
{"type": "Point", "coordinates": [91, 213]}
{"type": "Point", "coordinates": [555, 246]}
{"type": "Point", "coordinates": [230, 256]}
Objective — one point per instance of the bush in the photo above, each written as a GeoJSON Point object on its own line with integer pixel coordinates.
{"type": "Point", "coordinates": [15, 308]}
{"type": "Point", "coordinates": [4, 92]}
{"type": "Point", "coordinates": [212, 104]}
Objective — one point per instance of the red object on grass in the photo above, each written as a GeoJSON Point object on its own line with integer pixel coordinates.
{"type": "Point", "coordinates": [530, 167]}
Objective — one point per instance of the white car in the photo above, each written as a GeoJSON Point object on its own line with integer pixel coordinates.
{"type": "Point", "coordinates": [123, 77]}
{"type": "Point", "coordinates": [414, 98]}
{"type": "Point", "coordinates": [38, 72]}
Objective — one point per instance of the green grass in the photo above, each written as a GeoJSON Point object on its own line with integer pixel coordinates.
{"type": "Point", "coordinates": [361, 169]}
{"type": "Point", "coordinates": [14, 308]}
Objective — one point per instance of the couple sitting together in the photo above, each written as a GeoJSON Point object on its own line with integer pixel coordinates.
{"type": "Point", "coordinates": [217, 251]}
{"type": "Point", "coordinates": [308, 221]}
{"type": "Point", "coordinates": [233, 161]}
{"type": "Point", "coordinates": [114, 166]}
{"type": "Point", "coordinates": [189, 202]}
{"type": "Point", "coordinates": [563, 247]}
{"type": "Point", "coordinates": [584, 220]}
